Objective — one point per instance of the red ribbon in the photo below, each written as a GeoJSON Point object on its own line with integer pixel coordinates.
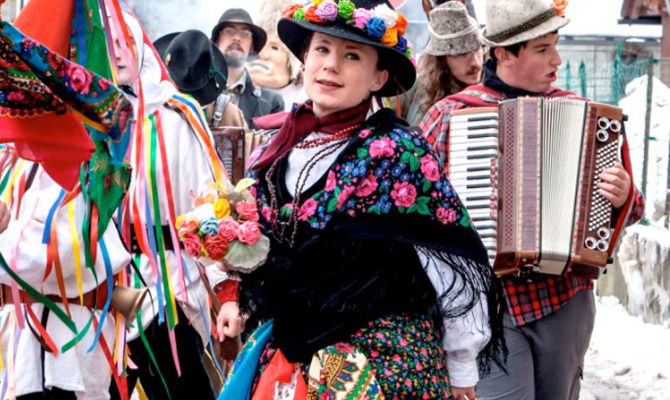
{"type": "Point", "coordinates": [279, 370]}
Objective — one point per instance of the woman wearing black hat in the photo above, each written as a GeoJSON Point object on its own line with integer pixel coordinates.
{"type": "Point", "coordinates": [374, 266]}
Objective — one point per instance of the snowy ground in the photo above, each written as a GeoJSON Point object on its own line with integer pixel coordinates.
{"type": "Point", "coordinates": [628, 359]}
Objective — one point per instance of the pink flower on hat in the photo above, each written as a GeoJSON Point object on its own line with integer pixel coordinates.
{"type": "Point", "coordinates": [361, 17]}
{"type": "Point", "coordinates": [327, 11]}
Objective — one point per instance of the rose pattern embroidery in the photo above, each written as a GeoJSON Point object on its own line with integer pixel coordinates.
{"type": "Point", "coordinates": [387, 171]}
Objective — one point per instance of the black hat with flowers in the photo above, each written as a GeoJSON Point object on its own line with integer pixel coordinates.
{"type": "Point", "coordinates": [371, 22]}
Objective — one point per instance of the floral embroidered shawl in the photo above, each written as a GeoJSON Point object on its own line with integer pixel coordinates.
{"type": "Point", "coordinates": [387, 184]}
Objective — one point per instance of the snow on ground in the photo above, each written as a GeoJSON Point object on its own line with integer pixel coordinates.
{"type": "Point", "coordinates": [627, 359]}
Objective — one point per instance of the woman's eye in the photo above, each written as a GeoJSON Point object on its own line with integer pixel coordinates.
{"type": "Point", "coordinates": [321, 49]}
{"type": "Point", "coordinates": [275, 48]}
{"type": "Point", "coordinates": [353, 56]}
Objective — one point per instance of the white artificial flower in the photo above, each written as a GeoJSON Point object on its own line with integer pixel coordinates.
{"type": "Point", "coordinates": [386, 14]}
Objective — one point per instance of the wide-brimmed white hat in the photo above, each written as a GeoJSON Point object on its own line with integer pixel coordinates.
{"type": "Point", "coordinates": [452, 31]}
{"type": "Point", "coordinates": [516, 21]}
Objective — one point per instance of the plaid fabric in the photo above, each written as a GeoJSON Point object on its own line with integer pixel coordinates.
{"type": "Point", "coordinates": [527, 301]}
{"type": "Point", "coordinates": [435, 125]}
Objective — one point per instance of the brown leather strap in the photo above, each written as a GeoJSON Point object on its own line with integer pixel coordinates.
{"type": "Point", "coordinates": [95, 298]}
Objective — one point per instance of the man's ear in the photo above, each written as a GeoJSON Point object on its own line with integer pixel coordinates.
{"type": "Point", "coordinates": [503, 56]}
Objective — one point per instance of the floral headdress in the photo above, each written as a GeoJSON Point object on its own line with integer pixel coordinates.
{"type": "Point", "coordinates": [382, 23]}
{"type": "Point", "coordinates": [370, 22]}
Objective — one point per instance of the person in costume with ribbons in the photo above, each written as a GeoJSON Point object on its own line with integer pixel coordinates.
{"type": "Point", "coordinates": [172, 155]}
{"type": "Point", "coordinates": [543, 362]}
{"type": "Point", "coordinates": [40, 358]}
{"type": "Point", "coordinates": [376, 285]}
{"type": "Point", "coordinates": [59, 252]}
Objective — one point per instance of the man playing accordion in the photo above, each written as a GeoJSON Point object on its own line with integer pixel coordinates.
{"type": "Point", "coordinates": [544, 362]}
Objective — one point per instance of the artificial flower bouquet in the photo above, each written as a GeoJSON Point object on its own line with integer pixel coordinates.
{"type": "Point", "coordinates": [223, 226]}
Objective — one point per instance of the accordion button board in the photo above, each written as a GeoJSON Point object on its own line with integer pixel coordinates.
{"type": "Point", "coordinates": [527, 172]}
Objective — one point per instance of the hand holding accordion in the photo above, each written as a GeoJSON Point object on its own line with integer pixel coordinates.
{"type": "Point", "coordinates": [528, 173]}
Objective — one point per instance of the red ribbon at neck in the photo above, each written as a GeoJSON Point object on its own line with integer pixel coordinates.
{"type": "Point", "coordinates": [300, 122]}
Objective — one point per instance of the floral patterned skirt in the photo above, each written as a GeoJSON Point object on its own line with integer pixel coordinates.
{"type": "Point", "coordinates": [396, 357]}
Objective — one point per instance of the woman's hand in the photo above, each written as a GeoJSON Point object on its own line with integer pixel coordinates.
{"type": "Point", "coordinates": [229, 322]}
{"type": "Point", "coordinates": [615, 185]}
{"type": "Point", "coordinates": [467, 393]}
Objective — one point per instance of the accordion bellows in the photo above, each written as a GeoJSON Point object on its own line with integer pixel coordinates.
{"type": "Point", "coordinates": [528, 173]}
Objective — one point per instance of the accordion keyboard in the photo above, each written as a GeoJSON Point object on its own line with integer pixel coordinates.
{"type": "Point", "coordinates": [472, 149]}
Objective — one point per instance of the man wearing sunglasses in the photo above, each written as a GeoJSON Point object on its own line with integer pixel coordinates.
{"type": "Point", "coordinates": [237, 37]}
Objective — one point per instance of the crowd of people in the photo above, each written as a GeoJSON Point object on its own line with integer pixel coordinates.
{"type": "Point", "coordinates": [376, 284]}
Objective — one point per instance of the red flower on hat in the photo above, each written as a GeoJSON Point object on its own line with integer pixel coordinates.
{"type": "Point", "coordinates": [559, 7]}
{"type": "Point", "coordinates": [401, 24]}
{"type": "Point", "coordinates": [310, 15]}
{"type": "Point", "coordinates": [290, 10]}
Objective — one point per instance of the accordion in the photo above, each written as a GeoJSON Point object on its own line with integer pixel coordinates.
{"type": "Point", "coordinates": [235, 145]}
{"type": "Point", "coordinates": [527, 172]}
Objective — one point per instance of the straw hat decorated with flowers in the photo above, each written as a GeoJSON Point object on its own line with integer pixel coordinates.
{"type": "Point", "coordinates": [372, 22]}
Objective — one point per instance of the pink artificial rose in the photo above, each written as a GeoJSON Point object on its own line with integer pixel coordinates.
{"type": "Point", "coordinates": [446, 215]}
{"type": "Point", "coordinates": [327, 11]}
{"type": "Point", "coordinates": [361, 17]}
{"type": "Point", "coordinates": [247, 210]}
{"type": "Point", "coordinates": [366, 186]}
{"type": "Point", "coordinates": [344, 196]}
{"type": "Point", "coordinates": [216, 246]}
{"type": "Point", "coordinates": [229, 229]}
{"type": "Point", "coordinates": [80, 78]}
{"type": "Point", "coordinates": [249, 233]}
{"type": "Point", "coordinates": [192, 244]}
{"type": "Point", "coordinates": [307, 209]}
{"type": "Point", "coordinates": [384, 147]}
{"type": "Point", "coordinates": [430, 168]}
{"type": "Point", "coordinates": [16, 96]}
{"type": "Point", "coordinates": [404, 194]}
{"type": "Point", "coordinates": [330, 181]}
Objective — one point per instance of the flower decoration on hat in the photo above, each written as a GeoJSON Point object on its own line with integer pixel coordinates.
{"type": "Point", "coordinates": [382, 24]}
{"type": "Point", "coordinates": [559, 7]}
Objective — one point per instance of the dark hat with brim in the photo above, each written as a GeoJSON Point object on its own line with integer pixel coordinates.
{"type": "Point", "coordinates": [294, 30]}
{"type": "Point", "coordinates": [240, 16]}
{"type": "Point", "coordinates": [195, 64]}
{"type": "Point", "coordinates": [161, 44]}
